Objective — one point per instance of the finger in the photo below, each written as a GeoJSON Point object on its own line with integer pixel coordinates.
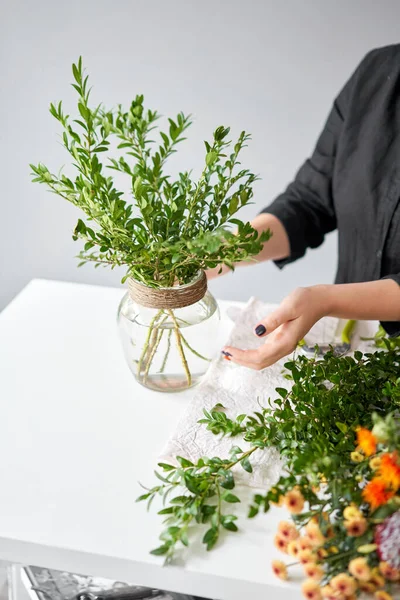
{"type": "Point", "coordinates": [272, 321]}
{"type": "Point", "coordinates": [259, 359]}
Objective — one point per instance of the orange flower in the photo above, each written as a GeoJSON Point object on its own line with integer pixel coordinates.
{"type": "Point", "coordinates": [356, 527]}
{"type": "Point", "coordinates": [311, 590]}
{"type": "Point", "coordinates": [321, 553]}
{"type": "Point", "coordinates": [382, 595]}
{"type": "Point", "coordinates": [366, 441]}
{"type": "Point", "coordinates": [327, 591]}
{"type": "Point", "coordinates": [358, 567]}
{"type": "Point", "coordinates": [344, 584]}
{"type": "Point", "coordinates": [294, 501]}
{"type": "Point", "coordinates": [304, 543]}
{"type": "Point", "coordinates": [293, 548]}
{"type": "Point", "coordinates": [314, 534]}
{"type": "Point", "coordinates": [280, 543]}
{"type": "Point", "coordinates": [279, 569]}
{"type": "Point", "coordinates": [305, 557]}
{"type": "Point", "coordinates": [388, 572]}
{"type": "Point", "coordinates": [389, 471]}
{"type": "Point", "coordinates": [288, 531]}
{"type": "Point", "coordinates": [376, 492]}
{"type": "Point", "coordinates": [314, 571]}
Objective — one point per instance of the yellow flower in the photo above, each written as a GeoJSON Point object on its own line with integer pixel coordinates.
{"type": "Point", "coordinates": [389, 572]}
{"type": "Point", "coordinates": [356, 457]}
{"type": "Point", "coordinates": [294, 501]}
{"type": "Point", "coordinates": [280, 543]}
{"type": "Point", "coordinates": [377, 580]}
{"type": "Point", "coordinates": [367, 586]}
{"type": "Point", "coordinates": [288, 531]}
{"type": "Point", "coordinates": [356, 527]}
{"type": "Point", "coordinates": [304, 543]}
{"type": "Point", "coordinates": [327, 591]}
{"type": "Point", "coordinates": [382, 595]}
{"type": "Point", "coordinates": [358, 567]}
{"type": "Point", "coordinates": [279, 569]}
{"type": "Point", "coordinates": [314, 571]}
{"type": "Point", "coordinates": [311, 590]}
{"type": "Point", "coordinates": [293, 548]}
{"type": "Point", "coordinates": [375, 463]}
{"type": "Point", "coordinates": [321, 553]}
{"type": "Point", "coordinates": [351, 512]}
{"type": "Point", "coordinates": [334, 550]}
{"type": "Point", "coordinates": [344, 584]}
{"type": "Point", "coordinates": [314, 534]}
{"type": "Point", "coordinates": [305, 557]}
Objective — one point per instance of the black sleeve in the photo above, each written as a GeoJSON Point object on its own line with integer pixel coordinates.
{"type": "Point", "coordinates": [306, 208]}
{"type": "Point", "coordinates": [392, 327]}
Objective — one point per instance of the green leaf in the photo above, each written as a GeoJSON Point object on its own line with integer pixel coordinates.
{"type": "Point", "coordinates": [233, 205]}
{"type": "Point", "coordinates": [211, 158]}
{"type": "Point", "coordinates": [245, 463]}
{"type": "Point", "coordinates": [342, 427]}
{"type": "Point", "coordinates": [161, 550]}
{"type": "Point", "coordinates": [228, 497]}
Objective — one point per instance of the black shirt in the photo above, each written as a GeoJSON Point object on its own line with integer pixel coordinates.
{"type": "Point", "coordinates": [352, 180]}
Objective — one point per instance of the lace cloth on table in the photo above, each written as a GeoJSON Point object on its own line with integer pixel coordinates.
{"type": "Point", "coordinates": [241, 390]}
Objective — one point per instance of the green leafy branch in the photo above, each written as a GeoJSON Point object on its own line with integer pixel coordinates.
{"type": "Point", "coordinates": [312, 424]}
{"type": "Point", "coordinates": [173, 228]}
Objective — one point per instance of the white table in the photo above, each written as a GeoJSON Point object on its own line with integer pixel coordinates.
{"type": "Point", "coordinates": [77, 434]}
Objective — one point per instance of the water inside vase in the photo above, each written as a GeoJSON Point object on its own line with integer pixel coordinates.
{"type": "Point", "coordinates": [171, 351]}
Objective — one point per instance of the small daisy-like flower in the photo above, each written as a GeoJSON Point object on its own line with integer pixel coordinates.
{"type": "Point", "coordinates": [314, 571]}
{"type": "Point", "coordinates": [280, 543]}
{"type": "Point", "coordinates": [321, 553]}
{"type": "Point", "coordinates": [377, 580]}
{"type": "Point", "coordinates": [305, 557]}
{"type": "Point", "coordinates": [311, 590]}
{"type": "Point", "coordinates": [389, 572]}
{"type": "Point", "coordinates": [344, 584]}
{"type": "Point", "coordinates": [279, 569]}
{"type": "Point", "coordinates": [304, 543]}
{"type": "Point", "coordinates": [382, 595]}
{"type": "Point", "coordinates": [367, 586]}
{"type": "Point", "coordinates": [356, 527]}
{"type": "Point", "coordinates": [314, 534]}
{"type": "Point", "coordinates": [288, 531]}
{"type": "Point", "coordinates": [356, 456]}
{"type": "Point", "coordinates": [327, 591]}
{"type": "Point", "coordinates": [294, 501]}
{"type": "Point", "coordinates": [366, 441]}
{"type": "Point", "coordinates": [377, 492]}
{"type": "Point", "coordinates": [351, 512]}
{"type": "Point", "coordinates": [358, 567]}
{"type": "Point", "coordinates": [293, 548]}
{"type": "Point", "coordinates": [375, 463]}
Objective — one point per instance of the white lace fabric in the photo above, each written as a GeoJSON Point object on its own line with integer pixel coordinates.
{"type": "Point", "coordinates": [241, 390]}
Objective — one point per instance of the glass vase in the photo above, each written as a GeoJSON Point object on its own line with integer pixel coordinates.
{"type": "Point", "coordinates": [168, 349]}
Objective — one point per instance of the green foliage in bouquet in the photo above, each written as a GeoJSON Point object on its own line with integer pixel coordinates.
{"type": "Point", "coordinates": [174, 228]}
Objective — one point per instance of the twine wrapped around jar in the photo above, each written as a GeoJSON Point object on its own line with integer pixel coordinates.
{"type": "Point", "coordinates": [171, 297]}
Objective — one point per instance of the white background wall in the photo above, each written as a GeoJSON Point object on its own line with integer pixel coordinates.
{"type": "Point", "coordinates": [271, 68]}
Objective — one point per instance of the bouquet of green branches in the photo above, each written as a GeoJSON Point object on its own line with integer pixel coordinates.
{"type": "Point", "coordinates": [171, 229]}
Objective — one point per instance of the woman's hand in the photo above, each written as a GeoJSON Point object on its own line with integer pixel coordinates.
{"type": "Point", "coordinates": [293, 319]}
{"type": "Point", "coordinates": [283, 328]}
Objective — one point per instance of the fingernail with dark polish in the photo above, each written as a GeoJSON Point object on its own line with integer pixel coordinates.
{"type": "Point", "coordinates": [260, 330]}
{"type": "Point", "coordinates": [226, 353]}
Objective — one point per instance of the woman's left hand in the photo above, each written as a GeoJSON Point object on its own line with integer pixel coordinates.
{"type": "Point", "coordinates": [283, 328]}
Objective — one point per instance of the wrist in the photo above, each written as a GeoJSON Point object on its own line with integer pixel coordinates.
{"type": "Point", "coordinates": [324, 299]}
